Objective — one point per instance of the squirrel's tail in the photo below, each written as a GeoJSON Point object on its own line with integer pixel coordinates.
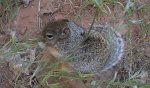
{"type": "Point", "coordinates": [116, 46]}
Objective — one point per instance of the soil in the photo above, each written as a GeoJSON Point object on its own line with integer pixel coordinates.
{"type": "Point", "coordinates": [31, 19]}
{"type": "Point", "coordinates": [6, 75]}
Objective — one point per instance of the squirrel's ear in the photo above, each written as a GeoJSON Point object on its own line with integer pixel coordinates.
{"type": "Point", "coordinates": [65, 32]}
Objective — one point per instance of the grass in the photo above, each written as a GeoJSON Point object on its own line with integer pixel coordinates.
{"type": "Point", "coordinates": [103, 7]}
{"type": "Point", "coordinates": [130, 8]}
{"type": "Point", "coordinates": [9, 8]}
{"type": "Point", "coordinates": [14, 48]}
{"type": "Point", "coordinates": [8, 11]}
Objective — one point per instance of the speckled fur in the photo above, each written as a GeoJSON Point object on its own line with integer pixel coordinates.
{"type": "Point", "coordinates": [99, 52]}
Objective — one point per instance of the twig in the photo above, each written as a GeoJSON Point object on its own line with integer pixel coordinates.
{"type": "Point", "coordinates": [38, 15]}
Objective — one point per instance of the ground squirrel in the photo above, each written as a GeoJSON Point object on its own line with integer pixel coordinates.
{"type": "Point", "coordinates": [98, 52]}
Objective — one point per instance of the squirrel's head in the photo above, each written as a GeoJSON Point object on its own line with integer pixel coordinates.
{"type": "Point", "coordinates": [56, 31]}
{"type": "Point", "coordinates": [62, 34]}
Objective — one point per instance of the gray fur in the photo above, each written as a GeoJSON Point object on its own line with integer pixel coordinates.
{"type": "Point", "coordinates": [89, 55]}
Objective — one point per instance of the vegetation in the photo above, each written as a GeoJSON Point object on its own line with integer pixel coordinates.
{"type": "Point", "coordinates": [133, 13]}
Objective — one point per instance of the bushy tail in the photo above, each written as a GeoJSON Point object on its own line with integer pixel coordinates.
{"type": "Point", "coordinates": [116, 44]}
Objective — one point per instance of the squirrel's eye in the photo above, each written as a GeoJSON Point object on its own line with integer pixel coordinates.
{"type": "Point", "coordinates": [49, 36]}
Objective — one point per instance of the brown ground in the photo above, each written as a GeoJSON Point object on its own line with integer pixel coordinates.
{"type": "Point", "coordinates": [6, 75]}
{"type": "Point", "coordinates": [30, 21]}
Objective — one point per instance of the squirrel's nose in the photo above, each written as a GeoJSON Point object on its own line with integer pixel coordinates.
{"type": "Point", "coordinates": [82, 33]}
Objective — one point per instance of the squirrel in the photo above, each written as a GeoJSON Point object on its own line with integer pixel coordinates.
{"type": "Point", "coordinates": [102, 49]}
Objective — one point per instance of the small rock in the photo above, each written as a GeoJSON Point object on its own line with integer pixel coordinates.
{"type": "Point", "coordinates": [23, 30]}
{"type": "Point", "coordinates": [144, 76]}
{"type": "Point", "coordinates": [146, 52]}
{"type": "Point", "coordinates": [26, 2]}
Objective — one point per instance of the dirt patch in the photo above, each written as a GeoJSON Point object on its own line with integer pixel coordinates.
{"type": "Point", "coordinates": [37, 14]}
{"type": "Point", "coordinates": [26, 20]}
{"type": "Point", "coordinates": [7, 75]}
